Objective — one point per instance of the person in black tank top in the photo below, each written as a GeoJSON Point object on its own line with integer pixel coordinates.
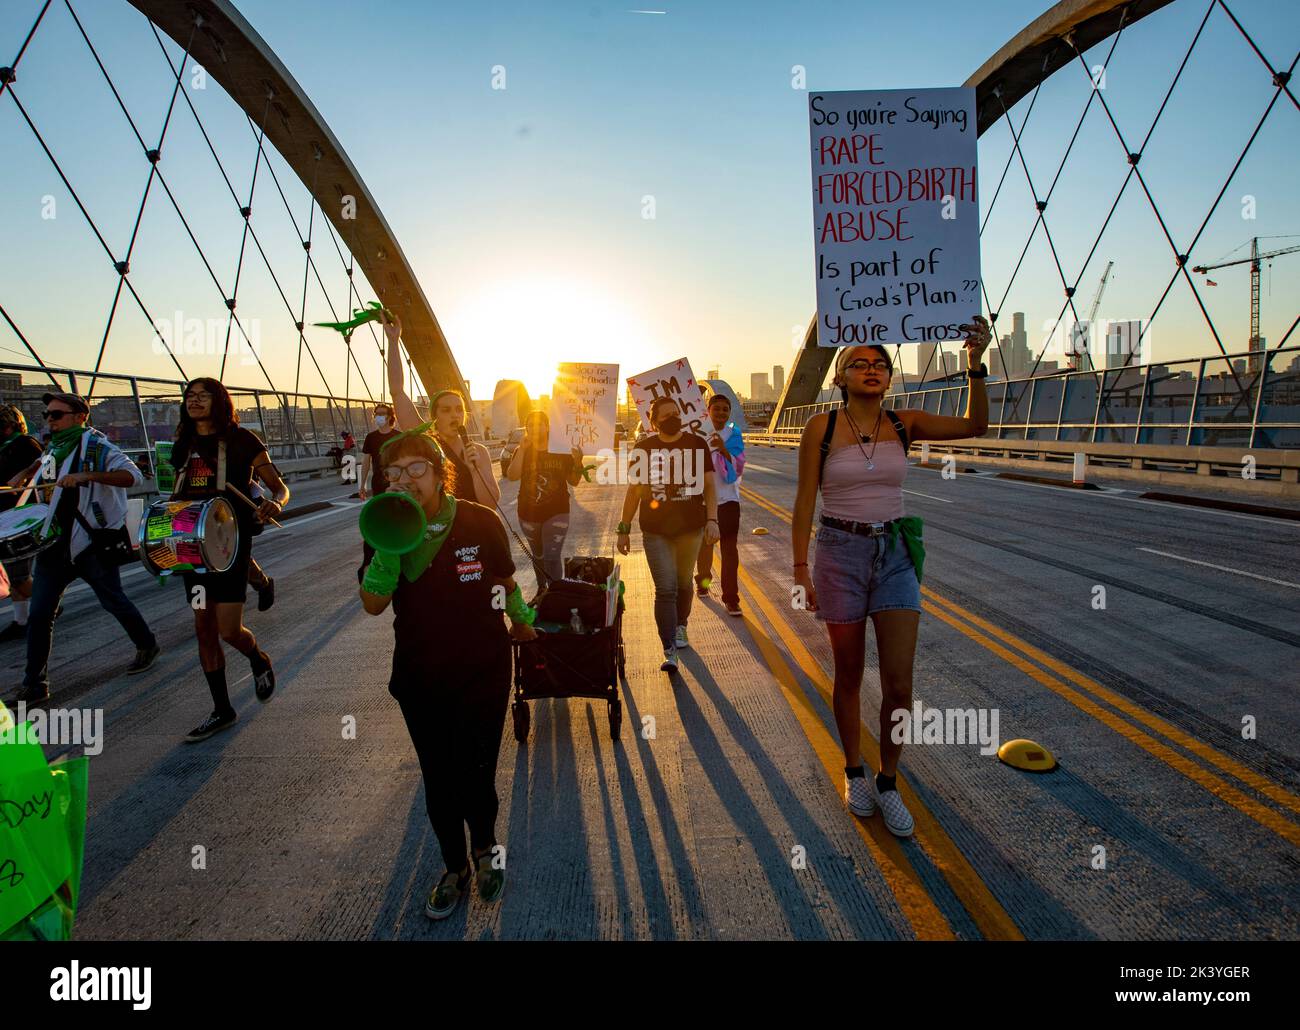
{"type": "Point", "coordinates": [863, 572]}
{"type": "Point", "coordinates": [451, 660]}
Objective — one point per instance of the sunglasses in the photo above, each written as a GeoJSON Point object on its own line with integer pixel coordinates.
{"type": "Point", "coordinates": [53, 415]}
{"type": "Point", "coordinates": [416, 470]}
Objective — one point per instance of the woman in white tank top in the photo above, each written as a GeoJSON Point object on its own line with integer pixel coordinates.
{"type": "Point", "coordinates": [868, 552]}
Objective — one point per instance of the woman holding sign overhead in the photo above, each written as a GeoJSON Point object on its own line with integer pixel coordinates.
{"type": "Point", "coordinates": [544, 479]}
{"type": "Point", "coordinates": [869, 555]}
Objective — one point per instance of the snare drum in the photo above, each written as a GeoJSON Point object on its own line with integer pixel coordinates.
{"type": "Point", "coordinates": [188, 536]}
{"type": "Point", "coordinates": [21, 532]}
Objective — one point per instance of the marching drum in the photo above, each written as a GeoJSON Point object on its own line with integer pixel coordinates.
{"type": "Point", "coordinates": [21, 532]}
{"type": "Point", "coordinates": [188, 536]}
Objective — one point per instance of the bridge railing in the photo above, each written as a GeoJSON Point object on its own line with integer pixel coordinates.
{"type": "Point", "coordinates": [136, 412]}
{"type": "Point", "coordinates": [1203, 402]}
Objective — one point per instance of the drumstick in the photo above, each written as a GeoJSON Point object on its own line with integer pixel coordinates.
{"type": "Point", "coordinates": [236, 491]}
{"type": "Point", "coordinates": [34, 486]}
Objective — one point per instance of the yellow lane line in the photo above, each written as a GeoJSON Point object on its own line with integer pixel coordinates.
{"type": "Point", "coordinates": [927, 922]}
{"type": "Point", "coordinates": [1265, 816]}
{"type": "Point", "coordinates": [1224, 762]}
{"type": "Point", "coordinates": [993, 920]}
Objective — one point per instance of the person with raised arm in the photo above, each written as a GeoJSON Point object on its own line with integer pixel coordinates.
{"type": "Point", "coordinates": [470, 476]}
{"type": "Point", "coordinates": [869, 554]}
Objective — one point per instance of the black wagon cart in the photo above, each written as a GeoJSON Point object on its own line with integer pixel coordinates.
{"type": "Point", "coordinates": [576, 653]}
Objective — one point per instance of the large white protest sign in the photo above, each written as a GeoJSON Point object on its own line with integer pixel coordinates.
{"type": "Point", "coordinates": [584, 402]}
{"type": "Point", "coordinates": [675, 380]}
{"type": "Point", "coordinates": [896, 221]}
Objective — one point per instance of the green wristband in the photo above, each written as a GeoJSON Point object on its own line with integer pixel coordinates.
{"type": "Point", "coordinates": [381, 574]}
{"type": "Point", "coordinates": [624, 529]}
{"type": "Point", "coordinates": [517, 610]}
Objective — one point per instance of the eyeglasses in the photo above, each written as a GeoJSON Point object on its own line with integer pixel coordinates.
{"type": "Point", "coordinates": [857, 364]}
{"type": "Point", "coordinates": [416, 470]}
{"type": "Point", "coordinates": [54, 416]}
{"type": "Point", "coordinates": [198, 395]}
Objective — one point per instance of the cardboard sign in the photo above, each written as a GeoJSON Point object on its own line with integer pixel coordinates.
{"type": "Point", "coordinates": [896, 219]}
{"type": "Point", "coordinates": [584, 402]}
{"type": "Point", "coordinates": [675, 380]}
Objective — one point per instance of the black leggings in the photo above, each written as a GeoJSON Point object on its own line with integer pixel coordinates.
{"type": "Point", "coordinates": [455, 720]}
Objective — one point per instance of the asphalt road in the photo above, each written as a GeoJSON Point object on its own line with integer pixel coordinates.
{"type": "Point", "coordinates": [718, 814]}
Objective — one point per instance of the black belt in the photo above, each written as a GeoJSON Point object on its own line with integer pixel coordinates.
{"type": "Point", "coordinates": [860, 528]}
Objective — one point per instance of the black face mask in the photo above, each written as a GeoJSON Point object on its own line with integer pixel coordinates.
{"type": "Point", "coordinates": [671, 425]}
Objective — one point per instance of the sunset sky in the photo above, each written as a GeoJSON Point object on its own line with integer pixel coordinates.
{"type": "Point", "coordinates": [522, 210]}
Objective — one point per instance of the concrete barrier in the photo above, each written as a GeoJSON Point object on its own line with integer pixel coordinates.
{"type": "Point", "coordinates": [1260, 471]}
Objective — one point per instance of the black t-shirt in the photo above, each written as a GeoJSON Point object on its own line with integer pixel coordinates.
{"type": "Point", "coordinates": [544, 485]}
{"type": "Point", "coordinates": [199, 461]}
{"type": "Point", "coordinates": [674, 473]}
{"type": "Point", "coordinates": [372, 444]}
{"type": "Point", "coordinates": [446, 617]}
{"type": "Point", "coordinates": [17, 453]}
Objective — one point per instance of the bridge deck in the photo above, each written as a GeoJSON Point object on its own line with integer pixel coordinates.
{"type": "Point", "coordinates": [691, 834]}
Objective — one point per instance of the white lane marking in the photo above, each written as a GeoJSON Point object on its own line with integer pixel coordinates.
{"type": "Point", "coordinates": [760, 468]}
{"type": "Point", "coordinates": [918, 493]}
{"type": "Point", "coordinates": [1117, 494]}
{"type": "Point", "coordinates": [1221, 568]}
{"type": "Point", "coordinates": [139, 570]}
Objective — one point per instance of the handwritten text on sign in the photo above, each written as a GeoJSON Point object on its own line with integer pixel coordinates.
{"type": "Point", "coordinates": [584, 402]}
{"type": "Point", "coordinates": [675, 380]}
{"type": "Point", "coordinates": [895, 212]}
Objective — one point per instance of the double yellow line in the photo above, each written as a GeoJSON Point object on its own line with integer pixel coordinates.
{"type": "Point", "coordinates": [1062, 680]}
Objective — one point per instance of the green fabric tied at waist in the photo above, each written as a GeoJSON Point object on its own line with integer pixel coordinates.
{"type": "Point", "coordinates": [911, 526]}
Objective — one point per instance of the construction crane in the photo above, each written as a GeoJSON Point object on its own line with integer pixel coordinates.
{"type": "Point", "coordinates": [1256, 345]}
{"type": "Point", "coordinates": [1092, 316]}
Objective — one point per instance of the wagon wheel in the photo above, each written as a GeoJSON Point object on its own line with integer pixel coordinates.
{"type": "Point", "coordinates": [615, 719]}
{"type": "Point", "coordinates": [622, 665]}
{"type": "Point", "coordinates": [522, 719]}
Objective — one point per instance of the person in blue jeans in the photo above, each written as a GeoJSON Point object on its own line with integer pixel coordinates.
{"type": "Point", "coordinates": [544, 479]}
{"type": "Point", "coordinates": [92, 477]}
{"type": "Point", "coordinates": [869, 553]}
{"type": "Point", "coordinates": [672, 491]}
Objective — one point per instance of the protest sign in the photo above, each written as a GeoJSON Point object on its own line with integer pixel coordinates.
{"type": "Point", "coordinates": [584, 402]}
{"type": "Point", "coordinates": [896, 221]}
{"type": "Point", "coordinates": [675, 380]}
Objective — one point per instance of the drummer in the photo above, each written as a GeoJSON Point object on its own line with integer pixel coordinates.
{"type": "Point", "coordinates": [90, 491]}
{"type": "Point", "coordinates": [209, 437]}
{"type": "Point", "coordinates": [18, 451]}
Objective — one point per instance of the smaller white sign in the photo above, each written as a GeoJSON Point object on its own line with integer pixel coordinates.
{"type": "Point", "coordinates": [675, 380]}
{"type": "Point", "coordinates": [584, 402]}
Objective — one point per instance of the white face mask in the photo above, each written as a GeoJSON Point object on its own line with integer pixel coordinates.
{"type": "Point", "coordinates": [381, 421]}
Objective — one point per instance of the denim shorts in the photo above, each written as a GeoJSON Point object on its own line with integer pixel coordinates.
{"type": "Point", "coordinates": [856, 576]}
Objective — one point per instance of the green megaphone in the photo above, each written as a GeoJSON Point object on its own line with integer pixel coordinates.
{"type": "Point", "coordinates": [392, 522]}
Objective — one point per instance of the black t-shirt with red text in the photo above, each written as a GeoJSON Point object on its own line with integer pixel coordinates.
{"type": "Point", "coordinates": [448, 617]}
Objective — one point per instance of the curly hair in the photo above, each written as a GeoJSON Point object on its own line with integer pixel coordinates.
{"type": "Point", "coordinates": [11, 417]}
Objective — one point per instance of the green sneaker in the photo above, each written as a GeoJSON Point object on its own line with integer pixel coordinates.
{"type": "Point", "coordinates": [446, 895]}
{"type": "Point", "coordinates": [491, 882]}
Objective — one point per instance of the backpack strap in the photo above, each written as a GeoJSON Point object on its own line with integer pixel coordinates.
{"type": "Point", "coordinates": [826, 442]}
{"type": "Point", "coordinates": [899, 428]}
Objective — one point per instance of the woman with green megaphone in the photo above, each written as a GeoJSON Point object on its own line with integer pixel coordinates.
{"type": "Point", "coordinates": [445, 566]}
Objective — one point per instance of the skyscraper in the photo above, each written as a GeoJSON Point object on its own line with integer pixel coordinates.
{"type": "Point", "coordinates": [758, 388]}
{"type": "Point", "coordinates": [778, 379]}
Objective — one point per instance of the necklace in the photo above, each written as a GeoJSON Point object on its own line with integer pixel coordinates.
{"type": "Point", "coordinates": [867, 436]}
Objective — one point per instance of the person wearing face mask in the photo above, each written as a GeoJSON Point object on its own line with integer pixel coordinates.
{"type": "Point", "coordinates": [671, 490]}
{"type": "Point", "coordinates": [92, 476]}
{"type": "Point", "coordinates": [451, 659]}
{"type": "Point", "coordinates": [372, 475]}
